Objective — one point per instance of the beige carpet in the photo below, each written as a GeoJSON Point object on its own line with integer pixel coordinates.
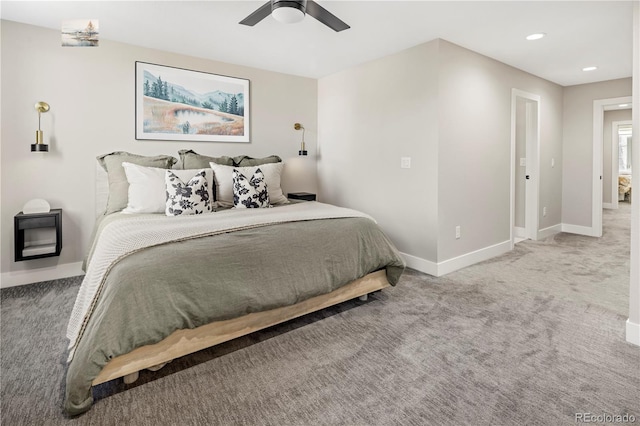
{"type": "Point", "coordinates": [532, 337]}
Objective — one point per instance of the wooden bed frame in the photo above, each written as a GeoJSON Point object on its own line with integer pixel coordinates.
{"type": "Point", "coordinates": [184, 342]}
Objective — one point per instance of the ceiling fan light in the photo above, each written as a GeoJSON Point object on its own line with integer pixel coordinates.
{"type": "Point", "coordinates": [287, 14]}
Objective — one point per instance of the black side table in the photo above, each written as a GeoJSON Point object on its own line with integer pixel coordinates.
{"type": "Point", "coordinates": [306, 196]}
{"type": "Point", "coordinates": [26, 249]}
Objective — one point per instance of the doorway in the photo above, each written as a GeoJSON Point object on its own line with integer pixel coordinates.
{"type": "Point", "coordinates": [599, 107]}
{"type": "Point", "coordinates": [620, 162]}
{"type": "Point", "coordinates": [525, 165]}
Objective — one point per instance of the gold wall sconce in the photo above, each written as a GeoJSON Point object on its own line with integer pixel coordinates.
{"type": "Point", "coordinates": [303, 148]}
{"type": "Point", "coordinates": [40, 146]}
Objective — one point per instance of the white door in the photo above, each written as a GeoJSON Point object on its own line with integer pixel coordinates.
{"type": "Point", "coordinates": [525, 143]}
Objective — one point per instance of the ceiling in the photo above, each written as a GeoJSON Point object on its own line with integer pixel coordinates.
{"type": "Point", "coordinates": [579, 33]}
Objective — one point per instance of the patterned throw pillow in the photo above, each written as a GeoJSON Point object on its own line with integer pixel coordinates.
{"type": "Point", "coordinates": [223, 182]}
{"type": "Point", "coordinates": [187, 198]}
{"type": "Point", "coordinates": [250, 193]}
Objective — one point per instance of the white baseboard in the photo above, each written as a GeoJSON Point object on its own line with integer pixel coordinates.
{"type": "Point", "coordinates": [15, 278]}
{"type": "Point", "coordinates": [419, 264]}
{"type": "Point", "coordinates": [519, 232]}
{"type": "Point", "coordinates": [607, 205]}
{"type": "Point", "coordinates": [576, 229]}
{"type": "Point", "coordinates": [547, 232]}
{"type": "Point", "coordinates": [474, 257]}
{"type": "Point", "coordinates": [450, 265]}
{"type": "Point", "coordinates": [633, 333]}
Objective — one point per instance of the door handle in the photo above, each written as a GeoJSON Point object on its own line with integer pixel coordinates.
{"type": "Point", "coordinates": [527, 177]}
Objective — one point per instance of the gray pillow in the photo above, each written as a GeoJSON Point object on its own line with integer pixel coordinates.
{"type": "Point", "coordinates": [118, 184]}
{"type": "Point", "coordinates": [245, 161]}
{"type": "Point", "coordinates": [192, 160]}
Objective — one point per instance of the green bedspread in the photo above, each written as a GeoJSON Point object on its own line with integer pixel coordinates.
{"type": "Point", "coordinates": [151, 293]}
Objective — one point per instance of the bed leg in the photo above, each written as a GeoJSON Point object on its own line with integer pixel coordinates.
{"type": "Point", "coordinates": [158, 367]}
{"type": "Point", "coordinates": [363, 298]}
{"type": "Point", "coordinates": [130, 378]}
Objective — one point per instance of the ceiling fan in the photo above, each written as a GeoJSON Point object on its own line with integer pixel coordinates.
{"type": "Point", "coordinates": [290, 11]}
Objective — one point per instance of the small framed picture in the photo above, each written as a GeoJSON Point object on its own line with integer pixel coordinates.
{"type": "Point", "coordinates": [80, 33]}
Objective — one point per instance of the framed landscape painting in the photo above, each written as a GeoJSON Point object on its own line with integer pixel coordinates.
{"type": "Point", "coordinates": [183, 105]}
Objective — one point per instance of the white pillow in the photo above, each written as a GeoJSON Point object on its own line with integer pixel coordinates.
{"type": "Point", "coordinates": [147, 189]}
{"type": "Point", "coordinates": [223, 179]}
{"type": "Point", "coordinates": [187, 197]}
{"type": "Point", "coordinates": [250, 192]}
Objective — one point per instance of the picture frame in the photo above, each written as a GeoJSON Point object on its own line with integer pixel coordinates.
{"type": "Point", "coordinates": [184, 105]}
{"type": "Point", "coordinates": [80, 33]}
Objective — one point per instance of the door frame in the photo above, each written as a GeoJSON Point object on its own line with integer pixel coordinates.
{"type": "Point", "coordinates": [599, 107]}
{"type": "Point", "coordinates": [533, 164]}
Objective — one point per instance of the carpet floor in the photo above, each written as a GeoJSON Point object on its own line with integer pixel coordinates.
{"type": "Point", "coordinates": [533, 337]}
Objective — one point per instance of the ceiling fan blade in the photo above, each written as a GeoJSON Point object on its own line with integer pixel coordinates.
{"type": "Point", "coordinates": [258, 15]}
{"type": "Point", "coordinates": [326, 17]}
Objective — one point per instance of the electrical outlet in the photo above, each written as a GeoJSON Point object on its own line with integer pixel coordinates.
{"type": "Point", "coordinates": [405, 162]}
{"type": "Point", "coordinates": [458, 232]}
{"type": "Point", "coordinates": [544, 211]}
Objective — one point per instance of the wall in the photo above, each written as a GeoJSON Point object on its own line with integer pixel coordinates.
{"type": "Point", "coordinates": [369, 117]}
{"type": "Point", "coordinates": [475, 149]}
{"type": "Point", "coordinates": [633, 323]}
{"type": "Point", "coordinates": [607, 151]}
{"type": "Point", "coordinates": [449, 109]}
{"type": "Point", "coordinates": [578, 146]}
{"type": "Point", "coordinates": [91, 93]}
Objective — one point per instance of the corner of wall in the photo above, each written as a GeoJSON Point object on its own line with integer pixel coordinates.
{"type": "Point", "coordinates": [633, 323]}
{"type": "Point", "coordinates": [633, 333]}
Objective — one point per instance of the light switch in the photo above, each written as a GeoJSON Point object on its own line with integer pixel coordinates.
{"type": "Point", "coordinates": [405, 162]}
{"type": "Point", "coordinates": [523, 162]}
{"type": "Point", "coordinates": [553, 162]}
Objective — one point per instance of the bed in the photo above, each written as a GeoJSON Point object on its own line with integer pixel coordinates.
{"type": "Point", "coordinates": [624, 188]}
{"type": "Point", "coordinates": [159, 287]}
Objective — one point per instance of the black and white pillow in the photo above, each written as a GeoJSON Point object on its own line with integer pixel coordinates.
{"type": "Point", "coordinates": [250, 193]}
{"type": "Point", "coordinates": [187, 198]}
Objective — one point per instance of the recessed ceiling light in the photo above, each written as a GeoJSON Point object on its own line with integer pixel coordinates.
{"type": "Point", "coordinates": [536, 36]}
{"type": "Point", "coordinates": [589, 68]}
{"type": "Point", "coordinates": [623, 105]}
